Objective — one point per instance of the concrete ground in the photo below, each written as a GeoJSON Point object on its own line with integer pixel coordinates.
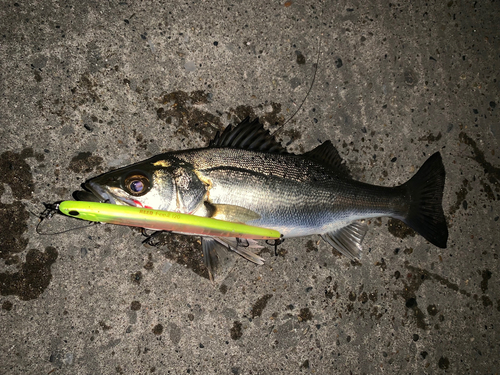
{"type": "Point", "coordinates": [87, 86]}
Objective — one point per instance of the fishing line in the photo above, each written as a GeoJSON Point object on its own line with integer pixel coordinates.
{"type": "Point", "coordinates": [91, 224]}
{"type": "Point", "coordinates": [48, 213]}
{"type": "Point", "coordinates": [307, 94]}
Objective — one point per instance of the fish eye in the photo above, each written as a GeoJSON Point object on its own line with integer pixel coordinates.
{"type": "Point", "coordinates": [137, 184]}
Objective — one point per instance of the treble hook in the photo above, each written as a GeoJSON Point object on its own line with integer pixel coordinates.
{"type": "Point", "coordinates": [277, 242]}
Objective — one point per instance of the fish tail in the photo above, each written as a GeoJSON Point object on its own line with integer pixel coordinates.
{"type": "Point", "coordinates": [425, 214]}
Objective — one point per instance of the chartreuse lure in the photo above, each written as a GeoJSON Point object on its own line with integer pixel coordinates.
{"type": "Point", "coordinates": [163, 220]}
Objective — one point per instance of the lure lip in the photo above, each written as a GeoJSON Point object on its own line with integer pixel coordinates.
{"type": "Point", "coordinates": [163, 220]}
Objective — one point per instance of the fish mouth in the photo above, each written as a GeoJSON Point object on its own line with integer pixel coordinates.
{"type": "Point", "coordinates": [94, 192]}
{"type": "Point", "coordinates": [99, 192]}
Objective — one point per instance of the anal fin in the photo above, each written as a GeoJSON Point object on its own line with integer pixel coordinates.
{"type": "Point", "coordinates": [347, 240]}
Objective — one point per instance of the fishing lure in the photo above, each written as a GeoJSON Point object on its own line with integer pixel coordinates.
{"type": "Point", "coordinates": [163, 220]}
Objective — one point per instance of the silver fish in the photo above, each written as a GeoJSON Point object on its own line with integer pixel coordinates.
{"type": "Point", "coordinates": [246, 176]}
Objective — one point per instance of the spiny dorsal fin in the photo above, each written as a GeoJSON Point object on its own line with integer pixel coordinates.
{"type": "Point", "coordinates": [248, 135]}
{"type": "Point", "coordinates": [327, 155]}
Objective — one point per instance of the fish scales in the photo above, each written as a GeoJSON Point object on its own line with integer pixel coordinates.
{"type": "Point", "coordinates": [293, 195]}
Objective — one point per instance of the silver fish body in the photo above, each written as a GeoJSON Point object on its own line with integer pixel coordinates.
{"type": "Point", "coordinates": [246, 176]}
{"type": "Point", "coordinates": [289, 193]}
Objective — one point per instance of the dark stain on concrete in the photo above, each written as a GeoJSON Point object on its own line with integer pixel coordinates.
{"type": "Point", "coordinates": [104, 326]}
{"type": "Point", "coordinates": [414, 280]}
{"type": "Point", "coordinates": [17, 173]}
{"type": "Point", "coordinates": [399, 229]}
{"type": "Point", "coordinates": [85, 91]}
{"type": "Point", "coordinates": [179, 108]}
{"type": "Point", "coordinates": [488, 191]}
{"type": "Point", "coordinates": [444, 363]}
{"type": "Point", "coordinates": [13, 221]}
{"type": "Point", "coordinates": [486, 301]}
{"type": "Point", "coordinates": [409, 295]}
{"type": "Point", "coordinates": [301, 60]}
{"type": "Point", "coordinates": [135, 306]}
{"type": "Point", "coordinates": [84, 162]}
{"type": "Point", "coordinates": [305, 315]}
{"type": "Point", "coordinates": [136, 277]}
{"type": "Point", "coordinates": [293, 134]}
{"type": "Point", "coordinates": [305, 364]}
{"type": "Point", "coordinates": [38, 76]}
{"type": "Point", "coordinates": [432, 310]}
{"type": "Point", "coordinates": [491, 172]}
{"type": "Point", "coordinates": [33, 277]}
{"type": "Point", "coordinates": [236, 330]}
{"type": "Point", "coordinates": [489, 169]}
{"type": "Point", "coordinates": [486, 274]}
{"type": "Point", "coordinates": [461, 195]}
{"type": "Point", "coordinates": [260, 305]}
{"type": "Point", "coordinates": [410, 77]}
{"type": "Point", "coordinates": [363, 298]}
{"type": "Point", "coordinates": [311, 246]}
{"type": "Point", "coordinates": [223, 289]}
{"type": "Point", "coordinates": [272, 118]}
{"type": "Point", "coordinates": [7, 305]}
{"type": "Point", "coordinates": [426, 275]}
{"type": "Point", "coordinates": [382, 264]}
{"type": "Point", "coordinates": [419, 315]}
{"type": "Point", "coordinates": [184, 250]}
{"type": "Point", "coordinates": [352, 296]}
{"type": "Point", "coordinates": [179, 105]}
{"type": "Point", "coordinates": [241, 112]}
{"type": "Point", "coordinates": [431, 138]}
{"type": "Point", "coordinates": [149, 264]}
{"type": "Point", "coordinates": [158, 329]}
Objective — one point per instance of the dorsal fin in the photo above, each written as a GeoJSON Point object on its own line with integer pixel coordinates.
{"type": "Point", "coordinates": [248, 135]}
{"type": "Point", "coordinates": [327, 155]}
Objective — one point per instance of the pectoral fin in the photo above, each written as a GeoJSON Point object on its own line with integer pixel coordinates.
{"type": "Point", "coordinates": [347, 240]}
{"type": "Point", "coordinates": [233, 213]}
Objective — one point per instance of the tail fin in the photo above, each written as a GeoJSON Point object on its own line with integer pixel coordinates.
{"type": "Point", "coordinates": [426, 214]}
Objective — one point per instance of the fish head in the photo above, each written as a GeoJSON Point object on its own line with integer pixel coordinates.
{"type": "Point", "coordinates": [147, 184]}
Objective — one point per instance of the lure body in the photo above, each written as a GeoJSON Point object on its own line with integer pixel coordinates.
{"type": "Point", "coordinates": [163, 220]}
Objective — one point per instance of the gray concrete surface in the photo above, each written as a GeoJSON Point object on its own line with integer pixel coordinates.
{"type": "Point", "coordinates": [87, 86]}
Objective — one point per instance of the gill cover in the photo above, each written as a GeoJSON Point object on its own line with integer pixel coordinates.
{"type": "Point", "coordinates": [190, 191]}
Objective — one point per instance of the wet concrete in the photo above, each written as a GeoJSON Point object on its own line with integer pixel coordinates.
{"type": "Point", "coordinates": [91, 86]}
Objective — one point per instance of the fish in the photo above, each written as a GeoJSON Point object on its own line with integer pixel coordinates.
{"type": "Point", "coordinates": [245, 175]}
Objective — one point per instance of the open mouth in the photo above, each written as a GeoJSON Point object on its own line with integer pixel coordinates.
{"type": "Point", "coordinates": [87, 196]}
{"type": "Point", "coordinates": [93, 193]}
